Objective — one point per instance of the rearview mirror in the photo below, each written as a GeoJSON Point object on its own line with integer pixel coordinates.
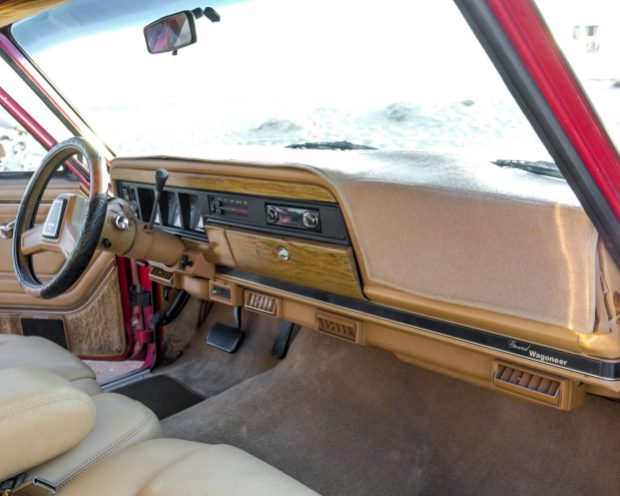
{"type": "Point", "coordinates": [170, 33]}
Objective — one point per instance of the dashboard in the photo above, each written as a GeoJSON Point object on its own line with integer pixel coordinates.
{"type": "Point", "coordinates": [418, 254]}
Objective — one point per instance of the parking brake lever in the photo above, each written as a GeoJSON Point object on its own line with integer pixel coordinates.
{"type": "Point", "coordinates": [161, 176]}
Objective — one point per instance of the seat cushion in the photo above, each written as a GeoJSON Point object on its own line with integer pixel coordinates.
{"type": "Point", "coordinates": [163, 467]}
{"type": "Point", "coordinates": [36, 352]}
{"type": "Point", "coordinates": [41, 416]}
{"type": "Point", "coordinates": [121, 422]}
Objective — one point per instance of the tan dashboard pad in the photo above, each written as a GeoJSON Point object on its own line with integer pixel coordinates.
{"type": "Point", "coordinates": [546, 275]}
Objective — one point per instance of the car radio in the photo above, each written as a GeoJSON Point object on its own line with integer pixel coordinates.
{"type": "Point", "coordinates": [300, 218]}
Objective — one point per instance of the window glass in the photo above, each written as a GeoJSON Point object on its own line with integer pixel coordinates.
{"type": "Point", "coordinates": [397, 74]}
{"type": "Point", "coordinates": [19, 150]}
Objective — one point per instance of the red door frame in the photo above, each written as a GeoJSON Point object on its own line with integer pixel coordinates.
{"type": "Point", "coordinates": [524, 26]}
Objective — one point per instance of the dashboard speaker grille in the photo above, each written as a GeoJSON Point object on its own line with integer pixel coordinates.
{"type": "Point", "coordinates": [52, 329]}
{"type": "Point", "coordinates": [261, 303]}
{"type": "Point", "coordinates": [340, 327]}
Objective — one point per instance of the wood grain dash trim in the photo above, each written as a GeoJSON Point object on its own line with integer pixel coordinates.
{"type": "Point", "coordinates": [316, 265]}
{"type": "Point", "coordinates": [231, 184]}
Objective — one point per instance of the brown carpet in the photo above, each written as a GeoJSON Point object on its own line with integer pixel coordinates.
{"type": "Point", "coordinates": [347, 420]}
{"type": "Point", "coordinates": [209, 371]}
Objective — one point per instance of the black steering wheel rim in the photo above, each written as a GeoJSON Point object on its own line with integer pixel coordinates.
{"type": "Point", "coordinates": [88, 239]}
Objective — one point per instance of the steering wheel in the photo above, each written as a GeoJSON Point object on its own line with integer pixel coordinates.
{"type": "Point", "coordinates": [72, 227]}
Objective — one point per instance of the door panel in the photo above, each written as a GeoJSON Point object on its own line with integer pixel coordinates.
{"type": "Point", "coordinates": [91, 310]}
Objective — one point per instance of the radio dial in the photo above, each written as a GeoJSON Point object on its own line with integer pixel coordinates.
{"type": "Point", "coordinates": [310, 220]}
{"type": "Point", "coordinates": [272, 214]}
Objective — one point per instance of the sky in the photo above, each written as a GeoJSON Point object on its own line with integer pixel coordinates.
{"type": "Point", "coordinates": [282, 58]}
{"type": "Point", "coordinates": [323, 49]}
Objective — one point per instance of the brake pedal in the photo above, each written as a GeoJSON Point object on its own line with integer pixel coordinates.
{"type": "Point", "coordinates": [224, 337]}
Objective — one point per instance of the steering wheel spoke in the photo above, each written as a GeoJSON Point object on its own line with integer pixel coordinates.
{"type": "Point", "coordinates": [60, 231]}
{"type": "Point", "coordinates": [32, 241]}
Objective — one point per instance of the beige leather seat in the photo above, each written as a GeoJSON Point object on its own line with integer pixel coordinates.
{"type": "Point", "coordinates": [164, 467]}
{"type": "Point", "coordinates": [48, 424]}
{"type": "Point", "coordinates": [53, 432]}
{"type": "Point", "coordinates": [120, 422]}
{"type": "Point", "coordinates": [21, 351]}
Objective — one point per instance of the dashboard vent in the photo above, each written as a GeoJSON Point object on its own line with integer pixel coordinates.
{"type": "Point", "coordinates": [340, 327]}
{"type": "Point", "coordinates": [177, 211]}
{"type": "Point", "coordinates": [533, 384]}
{"type": "Point", "coordinates": [261, 303]}
{"type": "Point", "coordinates": [161, 276]}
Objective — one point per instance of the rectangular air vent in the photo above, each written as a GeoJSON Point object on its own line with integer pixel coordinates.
{"type": "Point", "coordinates": [146, 198]}
{"type": "Point", "coordinates": [533, 384]}
{"type": "Point", "coordinates": [261, 303]}
{"type": "Point", "coordinates": [340, 327]}
{"type": "Point", "coordinates": [161, 276]}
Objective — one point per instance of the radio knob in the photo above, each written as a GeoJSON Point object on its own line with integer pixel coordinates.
{"type": "Point", "coordinates": [310, 219]}
{"type": "Point", "coordinates": [272, 214]}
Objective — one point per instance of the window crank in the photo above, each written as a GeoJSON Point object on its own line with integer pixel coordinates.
{"type": "Point", "coordinates": [6, 230]}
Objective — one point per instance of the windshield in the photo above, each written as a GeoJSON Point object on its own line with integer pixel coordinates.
{"type": "Point", "coordinates": [396, 74]}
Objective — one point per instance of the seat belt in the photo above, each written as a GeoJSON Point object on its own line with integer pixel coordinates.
{"type": "Point", "coordinates": [8, 486]}
{"type": "Point", "coordinates": [34, 487]}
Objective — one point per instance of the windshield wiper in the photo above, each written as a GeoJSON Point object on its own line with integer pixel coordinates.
{"type": "Point", "coordinates": [541, 167]}
{"type": "Point", "coordinates": [331, 145]}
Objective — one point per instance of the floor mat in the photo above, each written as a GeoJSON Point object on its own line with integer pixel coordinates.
{"type": "Point", "coordinates": [162, 394]}
{"type": "Point", "coordinates": [210, 371]}
{"type": "Point", "coordinates": [349, 420]}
